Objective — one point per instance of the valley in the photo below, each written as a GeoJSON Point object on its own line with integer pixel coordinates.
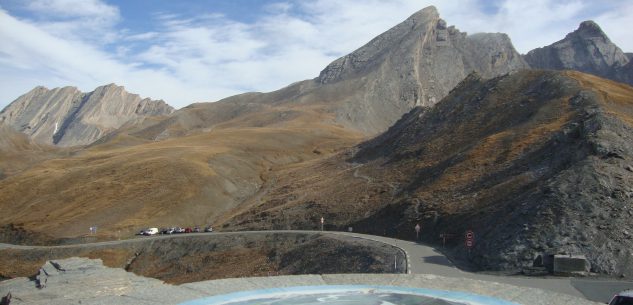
{"type": "Point", "coordinates": [423, 127]}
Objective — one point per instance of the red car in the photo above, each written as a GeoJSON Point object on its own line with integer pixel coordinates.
{"type": "Point", "coordinates": [188, 230]}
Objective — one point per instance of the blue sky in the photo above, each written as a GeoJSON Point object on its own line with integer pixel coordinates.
{"type": "Point", "coordinates": [201, 51]}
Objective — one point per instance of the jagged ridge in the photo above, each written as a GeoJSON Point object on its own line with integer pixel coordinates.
{"type": "Point", "coordinates": [68, 117]}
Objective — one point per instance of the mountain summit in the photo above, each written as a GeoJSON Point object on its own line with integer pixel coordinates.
{"type": "Point", "coordinates": [67, 117]}
{"type": "Point", "coordinates": [587, 49]}
{"type": "Point", "coordinates": [415, 63]}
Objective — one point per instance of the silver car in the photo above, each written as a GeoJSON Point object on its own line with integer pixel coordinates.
{"type": "Point", "coordinates": [622, 298]}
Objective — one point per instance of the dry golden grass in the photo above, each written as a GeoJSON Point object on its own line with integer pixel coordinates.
{"type": "Point", "coordinates": [615, 97]}
{"type": "Point", "coordinates": [128, 183]}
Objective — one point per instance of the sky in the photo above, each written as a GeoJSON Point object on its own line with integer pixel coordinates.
{"type": "Point", "coordinates": [202, 51]}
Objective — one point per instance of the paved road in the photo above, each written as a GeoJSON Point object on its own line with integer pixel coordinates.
{"type": "Point", "coordinates": [423, 259]}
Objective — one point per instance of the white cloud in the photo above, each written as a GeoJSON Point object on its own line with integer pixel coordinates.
{"type": "Point", "coordinates": [75, 9]}
{"type": "Point", "coordinates": [209, 56]}
{"type": "Point", "coordinates": [88, 20]}
{"type": "Point", "coordinates": [617, 24]}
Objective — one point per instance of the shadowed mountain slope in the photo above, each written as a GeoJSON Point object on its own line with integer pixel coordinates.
{"type": "Point", "coordinates": [534, 162]}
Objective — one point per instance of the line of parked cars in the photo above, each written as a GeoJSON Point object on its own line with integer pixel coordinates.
{"type": "Point", "coordinates": [174, 230]}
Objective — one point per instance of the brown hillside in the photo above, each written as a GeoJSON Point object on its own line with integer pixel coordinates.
{"type": "Point", "coordinates": [184, 181]}
{"type": "Point", "coordinates": [535, 162]}
{"type": "Point", "coordinates": [18, 151]}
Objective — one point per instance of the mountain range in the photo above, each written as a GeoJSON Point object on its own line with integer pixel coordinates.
{"type": "Point", "coordinates": [69, 117]}
{"type": "Point", "coordinates": [423, 124]}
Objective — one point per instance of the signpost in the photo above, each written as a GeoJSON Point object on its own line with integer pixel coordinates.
{"type": "Point", "coordinates": [470, 240]}
{"type": "Point", "coordinates": [417, 231]}
{"type": "Point", "coordinates": [444, 237]}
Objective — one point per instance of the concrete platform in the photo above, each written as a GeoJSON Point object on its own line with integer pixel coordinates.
{"type": "Point", "coordinates": [87, 281]}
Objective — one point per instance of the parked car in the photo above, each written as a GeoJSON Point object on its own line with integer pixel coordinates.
{"type": "Point", "coordinates": [150, 231]}
{"type": "Point", "coordinates": [622, 298]}
{"type": "Point", "coordinates": [179, 230]}
{"type": "Point", "coordinates": [188, 230]}
{"type": "Point", "coordinates": [208, 229]}
{"type": "Point", "coordinates": [168, 231]}
{"type": "Point", "coordinates": [196, 229]}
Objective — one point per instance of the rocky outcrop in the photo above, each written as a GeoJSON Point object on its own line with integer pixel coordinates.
{"type": "Point", "coordinates": [67, 117]}
{"type": "Point", "coordinates": [589, 50]}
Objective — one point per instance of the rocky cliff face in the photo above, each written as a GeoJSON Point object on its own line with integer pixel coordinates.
{"type": "Point", "coordinates": [68, 117]}
{"type": "Point", "coordinates": [416, 63]}
{"type": "Point", "coordinates": [588, 49]}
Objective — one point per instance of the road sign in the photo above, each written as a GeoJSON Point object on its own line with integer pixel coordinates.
{"type": "Point", "coordinates": [470, 239]}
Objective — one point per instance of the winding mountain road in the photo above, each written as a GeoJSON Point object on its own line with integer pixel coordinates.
{"type": "Point", "coordinates": [423, 259]}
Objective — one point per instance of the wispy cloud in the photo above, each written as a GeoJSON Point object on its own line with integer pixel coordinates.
{"type": "Point", "coordinates": [185, 58]}
{"type": "Point", "coordinates": [73, 9]}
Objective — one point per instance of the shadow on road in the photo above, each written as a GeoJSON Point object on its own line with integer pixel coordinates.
{"type": "Point", "coordinates": [437, 260]}
{"type": "Point", "coordinates": [600, 291]}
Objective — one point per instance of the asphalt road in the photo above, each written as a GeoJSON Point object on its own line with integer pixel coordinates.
{"type": "Point", "coordinates": [423, 259]}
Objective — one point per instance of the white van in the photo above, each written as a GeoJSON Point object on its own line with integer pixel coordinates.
{"type": "Point", "coordinates": [150, 231]}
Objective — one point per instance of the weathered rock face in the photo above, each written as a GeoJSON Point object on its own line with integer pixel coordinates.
{"type": "Point", "coordinates": [588, 49]}
{"type": "Point", "coordinates": [68, 117]}
{"type": "Point", "coordinates": [416, 63]}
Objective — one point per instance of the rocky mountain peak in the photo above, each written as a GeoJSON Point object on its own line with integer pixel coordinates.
{"type": "Point", "coordinates": [421, 16]}
{"type": "Point", "coordinates": [590, 29]}
{"type": "Point", "coordinates": [67, 117]}
{"type": "Point", "coordinates": [373, 53]}
{"type": "Point", "coordinates": [587, 49]}
{"type": "Point", "coordinates": [415, 63]}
